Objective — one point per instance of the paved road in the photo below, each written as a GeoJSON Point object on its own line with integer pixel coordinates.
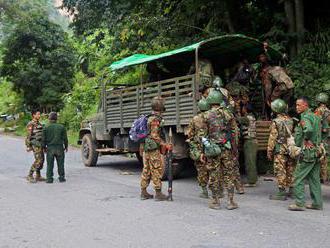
{"type": "Point", "coordinates": [100, 207]}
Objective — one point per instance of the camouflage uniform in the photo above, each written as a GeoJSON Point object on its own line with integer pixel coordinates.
{"type": "Point", "coordinates": [221, 133]}
{"type": "Point", "coordinates": [153, 161]}
{"type": "Point", "coordinates": [324, 113]}
{"type": "Point", "coordinates": [277, 145]}
{"type": "Point", "coordinates": [240, 94]}
{"type": "Point", "coordinates": [33, 142]}
{"type": "Point", "coordinates": [205, 70]}
{"type": "Point", "coordinates": [196, 130]}
{"type": "Point", "coordinates": [284, 85]}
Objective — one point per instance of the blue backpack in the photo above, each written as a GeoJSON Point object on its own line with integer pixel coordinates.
{"type": "Point", "coordinates": [139, 129]}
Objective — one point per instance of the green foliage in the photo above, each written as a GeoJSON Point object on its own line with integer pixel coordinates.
{"type": "Point", "coordinates": [311, 68]}
{"type": "Point", "coordinates": [80, 103]}
{"type": "Point", "coordinates": [40, 62]}
{"type": "Point", "coordinates": [10, 101]}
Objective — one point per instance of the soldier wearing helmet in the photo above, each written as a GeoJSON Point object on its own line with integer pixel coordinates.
{"type": "Point", "coordinates": [280, 130]}
{"type": "Point", "coordinates": [196, 130]}
{"type": "Point", "coordinates": [323, 112]}
{"type": "Point", "coordinates": [152, 150]}
{"type": "Point", "coordinates": [221, 129]}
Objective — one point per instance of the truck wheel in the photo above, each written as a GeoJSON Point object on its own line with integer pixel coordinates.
{"type": "Point", "coordinates": [177, 168]}
{"type": "Point", "coordinates": [88, 151]}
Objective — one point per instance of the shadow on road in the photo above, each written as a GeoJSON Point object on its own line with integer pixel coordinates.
{"type": "Point", "coordinates": [132, 166]}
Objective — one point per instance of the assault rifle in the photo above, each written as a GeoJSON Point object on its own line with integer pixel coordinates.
{"type": "Point", "coordinates": [169, 158]}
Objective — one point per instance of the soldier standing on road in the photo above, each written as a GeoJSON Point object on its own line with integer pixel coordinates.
{"type": "Point", "coordinates": [250, 147]}
{"type": "Point", "coordinates": [324, 113]}
{"type": "Point", "coordinates": [221, 128]}
{"type": "Point", "coordinates": [308, 137]}
{"type": "Point", "coordinates": [280, 130]}
{"type": "Point", "coordinates": [33, 143]}
{"type": "Point", "coordinates": [153, 149]}
{"type": "Point", "coordinates": [196, 130]}
{"type": "Point", "coordinates": [55, 143]}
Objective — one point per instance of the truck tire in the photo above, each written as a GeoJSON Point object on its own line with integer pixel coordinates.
{"type": "Point", "coordinates": [177, 168]}
{"type": "Point", "coordinates": [88, 151]}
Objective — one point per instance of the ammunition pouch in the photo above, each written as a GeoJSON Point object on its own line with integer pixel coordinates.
{"type": "Point", "coordinates": [194, 151]}
{"type": "Point", "coordinates": [150, 144]}
{"type": "Point", "coordinates": [212, 150]}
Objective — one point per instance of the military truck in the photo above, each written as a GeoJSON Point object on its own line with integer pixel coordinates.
{"type": "Point", "coordinates": [108, 132]}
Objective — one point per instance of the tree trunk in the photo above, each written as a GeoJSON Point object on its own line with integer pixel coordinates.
{"type": "Point", "coordinates": [291, 19]}
{"type": "Point", "coordinates": [228, 17]}
{"type": "Point", "coordinates": [300, 26]}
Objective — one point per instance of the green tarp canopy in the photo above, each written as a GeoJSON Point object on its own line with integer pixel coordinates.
{"type": "Point", "coordinates": [226, 50]}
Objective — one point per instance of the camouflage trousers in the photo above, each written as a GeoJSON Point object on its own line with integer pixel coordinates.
{"type": "Point", "coordinates": [324, 168]}
{"type": "Point", "coordinates": [153, 168]}
{"type": "Point", "coordinates": [202, 174]}
{"type": "Point", "coordinates": [284, 167]}
{"type": "Point", "coordinates": [39, 159]}
{"type": "Point", "coordinates": [237, 175]}
{"type": "Point", "coordinates": [221, 173]}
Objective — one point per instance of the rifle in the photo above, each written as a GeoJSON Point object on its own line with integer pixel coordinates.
{"type": "Point", "coordinates": [169, 158]}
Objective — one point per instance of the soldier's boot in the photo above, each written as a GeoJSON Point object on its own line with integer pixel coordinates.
{"type": "Point", "coordinates": [290, 193]}
{"type": "Point", "coordinates": [204, 193]}
{"type": "Point", "coordinates": [279, 196]}
{"type": "Point", "coordinates": [145, 195]}
{"type": "Point", "coordinates": [295, 207]}
{"type": "Point", "coordinates": [39, 178]}
{"type": "Point", "coordinates": [311, 206]}
{"type": "Point", "coordinates": [231, 204]}
{"type": "Point", "coordinates": [30, 177]}
{"type": "Point", "coordinates": [214, 203]}
{"type": "Point", "coordinates": [160, 196]}
{"type": "Point", "coordinates": [239, 188]}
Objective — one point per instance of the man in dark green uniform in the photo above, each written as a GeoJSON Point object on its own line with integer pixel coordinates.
{"type": "Point", "coordinates": [308, 137]}
{"type": "Point", "coordinates": [55, 142]}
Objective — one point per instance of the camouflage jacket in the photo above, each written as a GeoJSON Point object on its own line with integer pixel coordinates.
{"type": "Point", "coordinates": [324, 113]}
{"type": "Point", "coordinates": [280, 130]}
{"type": "Point", "coordinates": [34, 136]}
{"type": "Point", "coordinates": [155, 137]}
{"type": "Point", "coordinates": [248, 127]}
{"type": "Point", "coordinates": [197, 129]}
{"type": "Point", "coordinates": [221, 126]}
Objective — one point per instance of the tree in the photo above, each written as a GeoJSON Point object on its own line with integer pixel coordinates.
{"type": "Point", "coordinates": [39, 60]}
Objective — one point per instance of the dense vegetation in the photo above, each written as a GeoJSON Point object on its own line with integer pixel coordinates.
{"type": "Point", "coordinates": [60, 69]}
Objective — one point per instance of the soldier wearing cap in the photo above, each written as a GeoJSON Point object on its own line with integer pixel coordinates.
{"type": "Point", "coordinates": [55, 142]}
{"type": "Point", "coordinates": [152, 151]}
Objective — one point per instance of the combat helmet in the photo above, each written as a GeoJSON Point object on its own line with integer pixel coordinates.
{"type": "Point", "coordinates": [203, 105]}
{"type": "Point", "coordinates": [158, 104]}
{"type": "Point", "coordinates": [214, 97]}
{"type": "Point", "coordinates": [279, 106]}
{"type": "Point", "coordinates": [217, 82]}
{"type": "Point", "coordinates": [322, 98]}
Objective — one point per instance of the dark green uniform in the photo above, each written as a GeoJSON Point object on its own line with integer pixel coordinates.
{"type": "Point", "coordinates": [56, 141]}
{"type": "Point", "coordinates": [308, 168]}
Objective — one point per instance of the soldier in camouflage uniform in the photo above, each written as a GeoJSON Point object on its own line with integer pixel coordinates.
{"type": "Point", "coordinates": [324, 113]}
{"type": "Point", "coordinates": [280, 130]}
{"type": "Point", "coordinates": [153, 149]}
{"type": "Point", "coordinates": [221, 128]}
{"type": "Point", "coordinates": [205, 70]}
{"type": "Point", "coordinates": [33, 143]}
{"type": "Point", "coordinates": [196, 130]}
{"type": "Point", "coordinates": [308, 138]}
